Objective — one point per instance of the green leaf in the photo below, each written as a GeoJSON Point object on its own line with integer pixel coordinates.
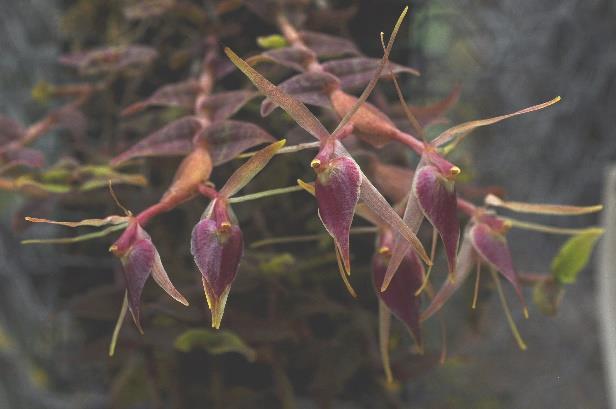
{"type": "Point", "coordinates": [574, 255]}
{"type": "Point", "coordinates": [272, 41]}
{"type": "Point", "coordinates": [215, 342]}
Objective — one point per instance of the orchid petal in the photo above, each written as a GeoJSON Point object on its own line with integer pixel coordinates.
{"type": "Point", "coordinates": [337, 191]}
{"type": "Point", "coordinates": [492, 247]}
{"type": "Point", "coordinates": [437, 198]}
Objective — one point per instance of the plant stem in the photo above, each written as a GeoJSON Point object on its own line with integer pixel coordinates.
{"type": "Point", "coordinates": [265, 193]}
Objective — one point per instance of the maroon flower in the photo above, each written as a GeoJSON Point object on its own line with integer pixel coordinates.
{"type": "Point", "coordinates": [337, 189]}
{"type": "Point", "coordinates": [400, 295]}
{"type": "Point", "coordinates": [217, 246]}
{"type": "Point", "coordinates": [436, 194]}
{"type": "Point", "coordinates": [140, 259]}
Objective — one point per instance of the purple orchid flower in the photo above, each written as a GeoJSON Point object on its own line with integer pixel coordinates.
{"type": "Point", "coordinates": [400, 296]}
{"type": "Point", "coordinates": [217, 246]}
{"type": "Point", "coordinates": [140, 260]}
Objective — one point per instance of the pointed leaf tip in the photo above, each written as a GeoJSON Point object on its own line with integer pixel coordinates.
{"type": "Point", "coordinates": [245, 173]}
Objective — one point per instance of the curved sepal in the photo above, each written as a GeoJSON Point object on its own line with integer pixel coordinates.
{"type": "Point", "coordinates": [437, 199]}
{"type": "Point", "coordinates": [337, 192]}
{"type": "Point", "coordinates": [400, 294]}
{"type": "Point", "coordinates": [492, 247]}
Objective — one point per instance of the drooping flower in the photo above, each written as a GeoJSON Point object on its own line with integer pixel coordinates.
{"type": "Point", "coordinates": [217, 246]}
{"type": "Point", "coordinates": [140, 260]}
{"type": "Point", "coordinates": [337, 189]}
{"type": "Point", "coordinates": [400, 296]}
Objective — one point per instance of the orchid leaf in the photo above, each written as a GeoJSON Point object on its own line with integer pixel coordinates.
{"type": "Point", "coordinates": [27, 184]}
{"type": "Point", "coordinates": [109, 59]}
{"type": "Point", "coordinates": [225, 140]}
{"type": "Point", "coordinates": [311, 88]}
{"type": "Point", "coordinates": [574, 255]}
{"type": "Point", "coordinates": [437, 198]}
{"type": "Point", "coordinates": [223, 105]}
{"type": "Point", "coordinates": [460, 131]}
{"type": "Point", "coordinates": [356, 72]}
{"type": "Point", "coordinates": [10, 130]}
{"type": "Point", "coordinates": [144, 9]}
{"type": "Point", "coordinates": [181, 94]}
{"type": "Point", "coordinates": [325, 45]}
{"type": "Point", "coordinates": [173, 139]}
{"type": "Point", "coordinates": [292, 106]}
{"type": "Point", "coordinates": [245, 173]}
{"type": "Point", "coordinates": [214, 342]}
{"type": "Point", "coordinates": [273, 41]}
{"type": "Point", "coordinates": [290, 57]}
{"type": "Point", "coordinates": [29, 157]}
{"type": "Point", "coordinates": [428, 114]}
{"type": "Point", "coordinates": [536, 208]}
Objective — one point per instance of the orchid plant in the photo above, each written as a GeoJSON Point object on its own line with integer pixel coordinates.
{"type": "Point", "coordinates": [206, 138]}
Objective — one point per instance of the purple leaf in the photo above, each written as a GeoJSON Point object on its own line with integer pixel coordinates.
{"type": "Point", "coordinates": [173, 139]}
{"type": "Point", "coordinates": [400, 295]}
{"type": "Point", "coordinates": [217, 246]}
{"type": "Point", "coordinates": [10, 130]}
{"type": "Point", "coordinates": [181, 94]}
{"type": "Point", "coordinates": [356, 72]}
{"type": "Point", "coordinates": [492, 247]}
{"type": "Point", "coordinates": [225, 104]}
{"type": "Point", "coordinates": [143, 9]}
{"type": "Point", "coordinates": [325, 45]}
{"type": "Point", "coordinates": [29, 157]}
{"type": "Point", "coordinates": [227, 139]}
{"type": "Point", "coordinates": [290, 57]}
{"type": "Point", "coordinates": [109, 59]}
{"type": "Point", "coordinates": [290, 105]}
{"type": "Point", "coordinates": [464, 264]}
{"type": "Point", "coordinates": [337, 192]}
{"type": "Point", "coordinates": [312, 88]}
{"type": "Point", "coordinates": [437, 199]}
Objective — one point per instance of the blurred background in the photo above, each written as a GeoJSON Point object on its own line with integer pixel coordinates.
{"type": "Point", "coordinates": [58, 303]}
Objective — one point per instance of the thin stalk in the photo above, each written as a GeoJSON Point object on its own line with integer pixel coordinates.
{"type": "Point", "coordinates": [549, 229]}
{"type": "Point", "coordinates": [83, 237]}
{"type": "Point", "coordinates": [384, 329]}
{"type": "Point", "coordinates": [288, 149]}
{"type": "Point", "coordinates": [503, 300]}
{"type": "Point", "coordinates": [305, 238]}
{"type": "Point", "coordinates": [265, 193]}
{"type": "Point", "coordinates": [118, 326]}
{"type": "Point", "coordinates": [476, 289]}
